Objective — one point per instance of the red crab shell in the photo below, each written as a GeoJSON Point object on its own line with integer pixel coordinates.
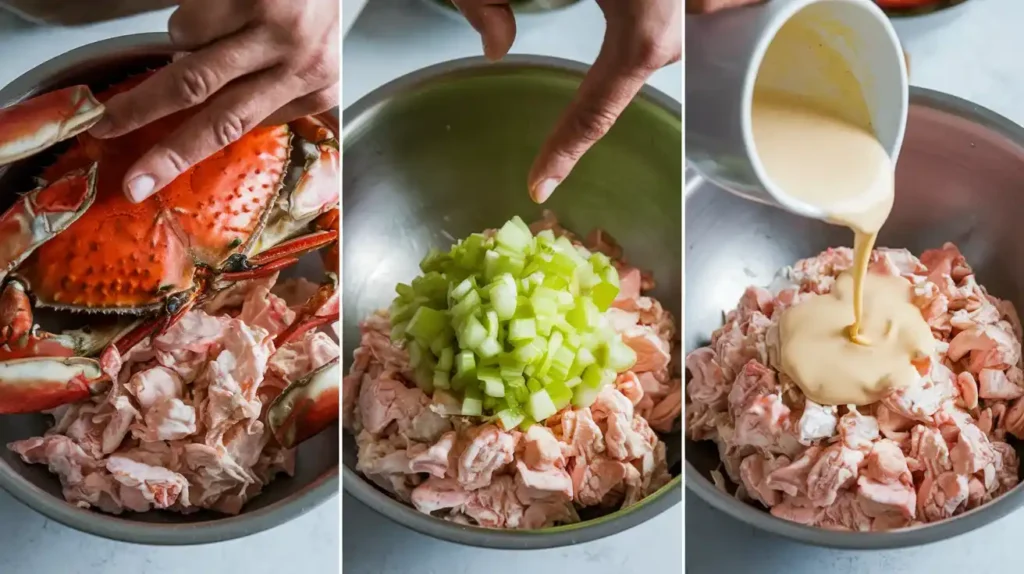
{"type": "Point", "coordinates": [125, 257]}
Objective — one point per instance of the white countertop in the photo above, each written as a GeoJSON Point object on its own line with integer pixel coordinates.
{"type": "Point", "coordinates": [395, 37]}
{"type": "Point", "coordinates": [973, 52]}
{"type": "Point", "coordinates": [31, 544]}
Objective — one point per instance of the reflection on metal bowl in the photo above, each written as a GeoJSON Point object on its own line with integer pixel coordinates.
{"type": "Point", "coordinates": [444, 152]}
{"type": "Point", "coordinates": [958, 179]}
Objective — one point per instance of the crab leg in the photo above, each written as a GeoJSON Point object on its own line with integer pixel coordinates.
{"type": "Point", "coordinates": [325, 305]}
{"type": "Point", "coordinates": [36, 124]}
{"type": "Point", "coordinates": [43, 383]}
{"type": "Point", "coordinates": [307, 406]}
{"type": "Point", "coordinates": [41, 214]}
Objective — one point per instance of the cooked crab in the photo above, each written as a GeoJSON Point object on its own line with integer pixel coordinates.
{"type": "Point", "coordinates": [76, 243]}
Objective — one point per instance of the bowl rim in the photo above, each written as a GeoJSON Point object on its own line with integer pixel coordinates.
{"type": "Point", "coordinates": [935, 532]}
{"type": "Point", "coordinates": [657, 503]}
{"type": "Point", "coordinates": [109, 526]}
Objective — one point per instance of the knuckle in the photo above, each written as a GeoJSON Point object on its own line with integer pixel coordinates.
{"type": "Point", "coordinates": [589, 125]}
{"type": "Point", "coordinates": [194, 85]}
{"type": "Point", "coordinates": [230, 128]}
{"type": "Point", "coordinates": [177, 161]}
{"type": "Point", "coordinates": [324, 99]}
{"type": "Point", "coordinates": [651, 54]}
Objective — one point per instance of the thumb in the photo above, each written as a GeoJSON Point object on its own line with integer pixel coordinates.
{"type": "Point", "coordinates": [494, 21]}
{"type": "Point", "coordinates": [609, 86]}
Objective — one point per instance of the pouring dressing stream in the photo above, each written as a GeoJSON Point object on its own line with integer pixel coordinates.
{"type": "Point", "coordinates": [856, 343]}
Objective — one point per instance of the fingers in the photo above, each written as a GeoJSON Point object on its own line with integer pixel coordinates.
{"type": "Point", "coordinates": [230, 115]}
{"type": "Point", "coordinates": [186, 82]}
{"type": "Point", "coordinates": [197, 23]}
{"type": "Point", "coordinates": [605, 92]}
{"type": "Point", "coordinates": [494, 21]}
{"type": "Point", "coordinates": [708, 6]}
{"type": "Point", "coordinates": [312, 104]}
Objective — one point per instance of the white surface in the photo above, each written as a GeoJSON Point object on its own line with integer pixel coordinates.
{"type": "Point", "coordinates": [392, 38]}
{"type": "Point", "coordinates": [973, 52]}
{"type": "Point", "coordinates": [31, 544]}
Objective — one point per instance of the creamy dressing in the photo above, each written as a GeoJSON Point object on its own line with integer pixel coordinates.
{"type": "Point", "coordinates": [854, 344]}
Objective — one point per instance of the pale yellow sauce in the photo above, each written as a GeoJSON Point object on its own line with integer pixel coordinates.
{"type": "Point", "coordinates": [856, 343]}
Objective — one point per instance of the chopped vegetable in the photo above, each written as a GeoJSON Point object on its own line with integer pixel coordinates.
{"type": "Point", "coordinates": [513, 324]}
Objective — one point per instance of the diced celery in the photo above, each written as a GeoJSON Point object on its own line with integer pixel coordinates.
{"type": "Point", "coordinates": [510, 418]}
{"type": "Point", "coordinates": [540, 406]}
{"type": "Point", "coordinates": [463, 289]}
{"type": "Point", "coordinates": [426, 324]}
{"type": "Point", "coordinates": [416, 352]}
{"type": "Point", "coordinates": [465, 363]}
{"type": "Point", "coordinates": [405, 291]}
{"type": "Point", "coordinates": [513, 237]}
{"type": "Point", "coordinates": [398, 331]}
{"type": "Point", "coordinates": [491, 324]}
{"type": "Point", "coordinates": [554, 344]}
{"type": "Point", "coordinates": [503, 297]}
{"type": "Point", "coordinates": [618, 356]}
{"type": "Point", "coordinates": [469, 303]}
{"type": "Point", "coordinates": [544, 325]}
{"type": "Point", "coordinates": [522, 329]}
{"type": "Point", "coordinates": [584, 358]}
{"type": "Point", "coordinates": [509, 365]}
{"type": "Point", "coordinates": [494, 388]}
{"type": "Point", "coordinates": [560, 395]}
{"type": "Point", "coordinates": [441, 380]}
{"type": "Point", "coordinates": [474, 391]}
{"type": "Point", "coordinates": [561, 363]}
{"type": "Point", "coordinates": [603, 294]}
{"type": "Point", "coordinates": [527, 423]}
{"type": "Point", "coordinates": [445, 360]}
{"type": "Point", "coordinates": [489, 374]}
{"type": "Point", "coordinates": [472, 407]}
{"type": "Point", "coordinates": [534, 385]}
{"type": "Point", "coordinates": [488, 348]}
{"type": "Point", "coordinates": [530, 351]}
{"type": "Point", "coordinates": [573, 382]}
{"type": "Point", "coordinates": [584, 396]}
{"type": "Point", "coordinates": [472, 334]}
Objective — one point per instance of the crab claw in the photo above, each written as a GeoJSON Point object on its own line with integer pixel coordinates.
{"type": "Point", "coordinates": [36, 124]}
{"type": "Point", "coordinates": [308, 406]}
{"type": "Point", "coordinates": [40, 384]}
{"type": "Point", "coordinates": [41, 214]}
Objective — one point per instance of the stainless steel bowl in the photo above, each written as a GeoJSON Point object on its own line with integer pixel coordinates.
{"type": "Point", "coordinates": [444, 152]}
{"type": "Point", "coordinates": [959, 178]}
{"type": "Point", "coordinates": [316, 476]}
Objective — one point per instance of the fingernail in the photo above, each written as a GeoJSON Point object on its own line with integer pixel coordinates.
{"type": "Point", "coordinates": [140, 188]}
{"type": "Point", "coordinates": [543, 190]}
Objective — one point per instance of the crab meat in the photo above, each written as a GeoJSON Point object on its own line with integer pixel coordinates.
{"type": "Point", "coordinates": [77, 243]}
{"type": "Point", "coordinates": [307, 406]}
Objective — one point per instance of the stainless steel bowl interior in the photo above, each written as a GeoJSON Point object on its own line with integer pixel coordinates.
{"type": "Point", "coordinates": [445, 152]}
{"type": "Point", "coordinates": [316, 479]}
{"type": "Point", "coordinates": [959, 178]}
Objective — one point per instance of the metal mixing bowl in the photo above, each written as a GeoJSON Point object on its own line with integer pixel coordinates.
{"type": "Point", "coordinates": [959, 178]}
{"type": "Point", "coordinates": [444, 152]}
{"type": "Point", "coordinates": [316, 473]}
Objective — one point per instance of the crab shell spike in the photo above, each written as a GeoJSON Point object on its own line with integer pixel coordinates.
{"type": "Point", "coordinates": [32, 126]}
{"type": "Point", "coordinates": [43, 213]}
{"type": "Point", "coordinates": [308, 406]}
{"type": "Point", "coordinates": [40, 384]}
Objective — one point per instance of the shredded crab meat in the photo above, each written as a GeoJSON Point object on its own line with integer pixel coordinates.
{"type": "Point", "coordinates": [922, 454]}
{"type": "Point", "coordinates": [468, 471]}
{"type": "Point", "coordinates": [183, 426]}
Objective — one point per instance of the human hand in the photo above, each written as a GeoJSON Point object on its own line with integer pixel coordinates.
{"type": "Point", "coordinates": [250, 62]}
{"type": "Point", "coordinates": [640, 38]}
{"type": "Point", "coordinates": [708, 6]}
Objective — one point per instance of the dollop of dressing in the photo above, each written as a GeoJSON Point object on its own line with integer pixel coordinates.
{"type": "Point", "coordinates": [856, 343]}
